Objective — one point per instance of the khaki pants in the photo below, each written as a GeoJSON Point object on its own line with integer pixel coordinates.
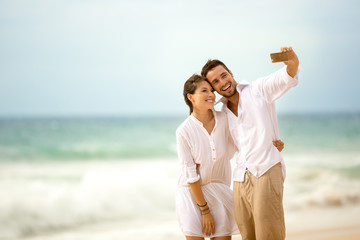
{"type": "Point", "coordinates": [258, 205]}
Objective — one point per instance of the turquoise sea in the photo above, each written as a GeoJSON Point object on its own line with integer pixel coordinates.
{"type": "Point", "coordinates": [65, 139]}
{"type": "Point", "coordinates": [75, 174]}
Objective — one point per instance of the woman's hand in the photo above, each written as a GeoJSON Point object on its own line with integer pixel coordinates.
{"type": "Point", "coordinates": [207, 220]}
{"type": "Point", "coordinates": [208, 225]}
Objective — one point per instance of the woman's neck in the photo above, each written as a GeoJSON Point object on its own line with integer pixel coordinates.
{"type": "Point", "coordinates": [203, 116]}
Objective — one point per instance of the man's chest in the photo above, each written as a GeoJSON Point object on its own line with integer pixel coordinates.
{"type": "Point", "coordinates": [252, 111]}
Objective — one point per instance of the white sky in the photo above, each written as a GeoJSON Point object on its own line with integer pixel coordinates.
{"type": "Point", "coordinates": [132, 57]}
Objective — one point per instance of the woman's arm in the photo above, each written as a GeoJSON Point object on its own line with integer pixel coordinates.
{"type": "Point", "coordinates": [208, 226]}
{"type": "Point", "coordinates": [193, 177]}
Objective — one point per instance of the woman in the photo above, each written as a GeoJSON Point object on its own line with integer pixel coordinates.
{"type": "Point", "coordinates": [204, 205]}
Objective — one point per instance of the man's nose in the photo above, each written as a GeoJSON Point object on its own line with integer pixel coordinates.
{"type": "Point", "coordinates": [222, 82]}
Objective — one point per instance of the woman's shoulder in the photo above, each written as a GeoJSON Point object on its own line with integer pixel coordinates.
{"type": "Point", "coordinates": [184, 126]}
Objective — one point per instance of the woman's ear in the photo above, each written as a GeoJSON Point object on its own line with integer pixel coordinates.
{"type": "Point", "coordinates": [190, 97]}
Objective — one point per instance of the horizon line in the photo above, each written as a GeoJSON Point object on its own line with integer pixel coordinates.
{"type": "Point", "coordinates": [155, 115]}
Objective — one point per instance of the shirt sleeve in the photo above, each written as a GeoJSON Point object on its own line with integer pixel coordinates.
{"type": "Point", "coordinates": [186, 159]}
{"type": "Point", "coordinates": [275, 85]}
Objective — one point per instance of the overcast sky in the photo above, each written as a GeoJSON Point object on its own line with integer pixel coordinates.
{"type": "Point", "coordinates": [83, 57]}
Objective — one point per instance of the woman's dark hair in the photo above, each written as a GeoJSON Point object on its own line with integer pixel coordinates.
{"type": "Point", "coordinates": [190, 86]}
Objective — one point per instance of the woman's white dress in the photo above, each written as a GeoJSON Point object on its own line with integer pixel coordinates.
{"type": "Point", "coordinates": [205, 157]}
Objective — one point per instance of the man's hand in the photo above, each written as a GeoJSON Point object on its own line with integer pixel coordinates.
{"type": "Point", "coordinates": [293, 61]}
{"type": "Point", "coordinates": [278, 144]}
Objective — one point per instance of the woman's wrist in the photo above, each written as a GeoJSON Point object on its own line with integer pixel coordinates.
{"type": "Point", "coordinates": [205, 211]}
{"type": "Point", "coordinates": [202, 205]}
{"type": "Point", "coordinates": [204, 208]}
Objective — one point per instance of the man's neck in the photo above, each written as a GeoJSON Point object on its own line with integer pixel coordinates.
{"type": "Point", "coordinates": [233, 103]}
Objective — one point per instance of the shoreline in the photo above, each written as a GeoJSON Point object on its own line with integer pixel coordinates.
{"type": "Point", "coordinates": [172, 231]}
{"type": "Point", "coordinates": [326, 224]}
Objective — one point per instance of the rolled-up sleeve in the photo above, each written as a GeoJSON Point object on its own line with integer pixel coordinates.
{"type": "Point", "coordinates": [275, 85]}
{"type": "Point", "coordinates": [186, 159]}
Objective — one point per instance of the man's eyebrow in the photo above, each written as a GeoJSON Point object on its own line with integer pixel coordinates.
{"type": "Point", "coordinates": [215, 79]}
{"type": "Point", "coordinates": [225, 72]}
{"type": "Point", "coordinates": [221, 74]}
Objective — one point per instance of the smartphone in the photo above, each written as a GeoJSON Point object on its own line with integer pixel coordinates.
{"type": "Point", "coordinates": [279, 57]}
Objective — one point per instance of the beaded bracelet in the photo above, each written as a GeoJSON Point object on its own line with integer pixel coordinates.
{"type": "Point", "coordinates": [204, 210]}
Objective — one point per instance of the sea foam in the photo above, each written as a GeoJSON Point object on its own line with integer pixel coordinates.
{"type": "Point", "coordinates": [44, 197]}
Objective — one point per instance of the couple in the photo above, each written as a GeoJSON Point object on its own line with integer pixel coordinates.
{"type": "Point", "coordinates": [208, 139]}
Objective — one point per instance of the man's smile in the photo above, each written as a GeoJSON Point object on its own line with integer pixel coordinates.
{"type": "Point", "coordinates": [226, 87]}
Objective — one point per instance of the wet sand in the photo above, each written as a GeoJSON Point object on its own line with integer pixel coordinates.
{"type": "Point", "coordinates": [348, 233]}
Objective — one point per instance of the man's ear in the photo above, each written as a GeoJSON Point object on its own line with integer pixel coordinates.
{"type": "Point", "coordinates": [232, 75]}
{"type": "Point", "coordinates": [190, 97]}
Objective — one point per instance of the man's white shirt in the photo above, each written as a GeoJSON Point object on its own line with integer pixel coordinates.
{"type": "Point", "coordinates": [255, 127]}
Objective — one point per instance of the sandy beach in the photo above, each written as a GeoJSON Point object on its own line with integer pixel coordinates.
{"type": "Point", "coordinates": [348, 233]}
{"type": "Point", "coordinates": [169, 230]}
{"type": "Point", "coordinates": [325, 224]}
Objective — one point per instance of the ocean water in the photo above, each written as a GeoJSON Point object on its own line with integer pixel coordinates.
{"type": "Point", "coordinates": [86, 138]}
{"type": "Point", "coordinates": [116, 178]}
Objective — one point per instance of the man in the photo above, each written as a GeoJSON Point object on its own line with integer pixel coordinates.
{"type": "Point", "coordinates": [260, 170]}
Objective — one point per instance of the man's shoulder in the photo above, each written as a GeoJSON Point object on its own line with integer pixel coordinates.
{"type": "Point", "coordinates": [220, 114]}
{"type": "Point", "coordinates": [243, 85]}
{"type": "Point", "coordinates": [249, 88]}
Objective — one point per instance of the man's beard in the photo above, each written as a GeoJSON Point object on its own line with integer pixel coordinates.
{"type": "Point", "coordinates": [230, 94]}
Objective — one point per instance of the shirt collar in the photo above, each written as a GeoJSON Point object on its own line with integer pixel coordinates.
{"type": "Point", "coordinates": [198, 122]}
{"type": "Point", "coordinates": [195, 120]}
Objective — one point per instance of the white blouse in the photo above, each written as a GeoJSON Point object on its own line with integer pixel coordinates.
{"type": "Point", "coordinates": [203, 156]}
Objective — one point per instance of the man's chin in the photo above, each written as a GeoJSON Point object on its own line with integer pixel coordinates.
{"type": "Point", "coordinates": [227, 95]}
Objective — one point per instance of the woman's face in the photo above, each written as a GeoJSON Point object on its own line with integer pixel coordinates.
{"type": "Point", "coordinates": [203, 98]}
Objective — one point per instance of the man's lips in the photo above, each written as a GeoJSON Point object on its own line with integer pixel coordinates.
{"type": "Point", "coordinates": [226, 87]}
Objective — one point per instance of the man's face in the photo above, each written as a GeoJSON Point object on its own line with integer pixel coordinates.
{"type": "Point", "coordinates": [222, 81]}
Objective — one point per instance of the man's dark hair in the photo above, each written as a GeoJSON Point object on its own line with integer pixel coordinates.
{"type": "Point", "coordinates": [190, 86]}
{"type": "Point", "coordinates": [210, 65]}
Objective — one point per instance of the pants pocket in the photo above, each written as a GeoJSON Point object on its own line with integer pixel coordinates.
{"type": "Point", "coordinates": [276, 180]}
